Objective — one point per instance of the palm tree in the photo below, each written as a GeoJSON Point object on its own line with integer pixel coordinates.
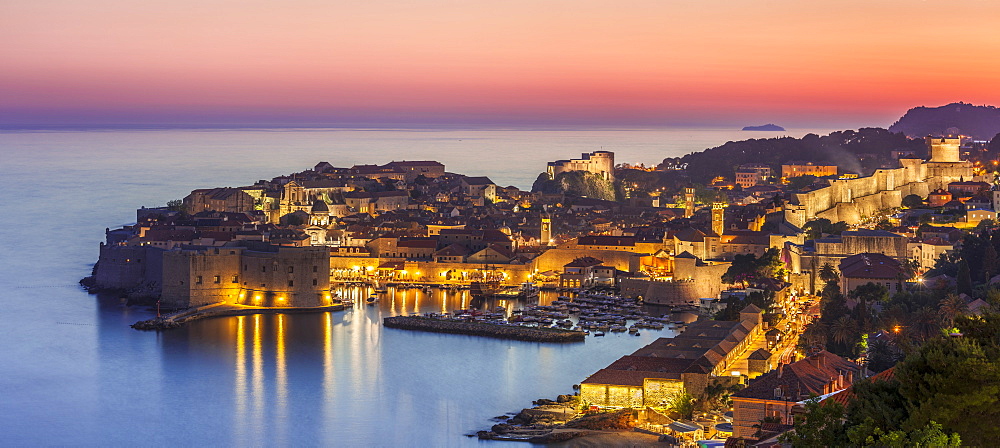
{"type": "Point", "coordinates": [951, 307]}
{"type": "Point", "coordinates": [829, 274]}
{"type": "Point", "coordinates": [843, 330]}
{"type": "Point", "coordinates": [925, 322]}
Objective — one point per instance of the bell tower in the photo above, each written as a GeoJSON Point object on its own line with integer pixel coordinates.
{"type": "Point", "coordinates": [688, 202]}
{"type": "Point", "coordinates": [546, 234]}
{"type": "Point", "coordinates": [718, 217]}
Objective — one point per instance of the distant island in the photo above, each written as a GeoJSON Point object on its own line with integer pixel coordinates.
{"type": "Point", "coordinates": [978, 122]}
{"type": "Point", "coordinates": [766, 127]}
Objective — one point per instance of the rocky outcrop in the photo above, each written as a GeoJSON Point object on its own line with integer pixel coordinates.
{"type": "Point", "coordinates": [419, 323]}
{"type": "Point", "coordinates": [617, 420]}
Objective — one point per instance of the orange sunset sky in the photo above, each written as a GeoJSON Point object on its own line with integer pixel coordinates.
{"type": "Point", "coordinates": [642, 63]}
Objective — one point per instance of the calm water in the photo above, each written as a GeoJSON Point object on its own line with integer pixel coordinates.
{"type": "Point", "coordinates": [73, 373]}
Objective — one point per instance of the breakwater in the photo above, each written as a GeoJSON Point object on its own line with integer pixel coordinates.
{"type": "Point", "coordinates": [491, 330]}
{"type": "Point", "coordinates": [182, 317]}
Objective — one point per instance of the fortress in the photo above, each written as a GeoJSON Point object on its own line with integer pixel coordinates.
{"type": "Point", "coordinates": [850, 200]}
{"type": "Point", "coordinates": [597, 162]}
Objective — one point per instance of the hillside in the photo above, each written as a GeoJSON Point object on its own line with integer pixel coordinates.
{"type": "Point", "coordinates": [839, 148]}
{"type": "Point", "coordinates": [980, 122]}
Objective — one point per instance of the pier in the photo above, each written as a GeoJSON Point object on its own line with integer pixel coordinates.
{"type": "Point", "coordinates": [493, 330]}
{"type": "Point", "coordinates": [182, 317]}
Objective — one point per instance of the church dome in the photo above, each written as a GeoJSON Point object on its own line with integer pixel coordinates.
{"type": "Point", "coordinates": [320, 207]}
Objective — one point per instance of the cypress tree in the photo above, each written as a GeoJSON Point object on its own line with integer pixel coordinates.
{"type": "Point", "coordinates": [991, 263]}
{"type": "Point", "coordinates": [964, 279]}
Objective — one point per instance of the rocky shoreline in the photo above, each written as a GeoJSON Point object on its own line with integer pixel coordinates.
{"type": "Point", "coordinates": [534, 334]}
{"type": "Point", "coordinates": [180, 318]}
{"type": "Point", "coordinates": [559, 421]}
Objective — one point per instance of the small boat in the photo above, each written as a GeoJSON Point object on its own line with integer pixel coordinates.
{"type": "Point", "coordinates": [372, 299]}
{"type": "Point", "coordinates": [599, 333]}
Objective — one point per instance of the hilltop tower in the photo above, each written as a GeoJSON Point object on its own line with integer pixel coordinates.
{"type": "Point", "coordinates": [546, 234]}
{"type": "Point", "coordinates": [718, 217]}
{"type": "Point", "coordinates": [688, 202]}
{"type": "Point", "coordinates": [944, 150]}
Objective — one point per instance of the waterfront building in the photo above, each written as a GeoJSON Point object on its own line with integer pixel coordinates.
{"type": "Point", "coordinates": [218, 199]}
{"type": "Point", "coordinates": [688, 362]}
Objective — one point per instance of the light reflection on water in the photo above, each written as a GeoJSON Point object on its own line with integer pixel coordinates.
{"type": "Point", "coordinates": [340, 378]}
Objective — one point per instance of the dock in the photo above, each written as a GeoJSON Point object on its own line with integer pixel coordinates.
{"type": "Point", "coordinates": [487, 329]}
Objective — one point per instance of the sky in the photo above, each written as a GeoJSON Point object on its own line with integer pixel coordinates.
{"type": "Point", "coordinates": [509, 62]}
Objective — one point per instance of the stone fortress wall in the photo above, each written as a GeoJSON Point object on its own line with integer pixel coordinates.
{"type": "Point", "coordinates": [597, 162]}
{"type": "Point", "coordinates": [850, 200]}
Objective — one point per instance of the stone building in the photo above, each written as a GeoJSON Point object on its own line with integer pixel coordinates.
{"type": "Point", "coordinates": [256, 274]}
{"type": "Point", "coordinates": [479, 187]}
{"type": "Point", "coordinates": [799, 168]}
{"type": "Point", "coordinates": [688, 362]}
{"type": "Point", "coordinates": [598, 162]}
{"type": "Point", "coordinates": [218, 199]}
{"type": "Point", "coordinates": [415, 168]}
{"type": "Point", "coordinates": [864, 268]}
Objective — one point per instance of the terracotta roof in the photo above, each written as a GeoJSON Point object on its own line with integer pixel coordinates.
{"type": "Point", "coordinates": [844, 397]}
{"type": "Point", "coordinates": [870, 265]}
{"type": "Point", "coordinates": [454, 250]}
{"type": "Point", "coordinates": [423, 243]}
{"type": "Point", "coordinates": [690, 234]}
{"type": "Point", "coordinates": [801, 379]}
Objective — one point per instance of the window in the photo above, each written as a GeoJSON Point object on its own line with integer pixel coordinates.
{"type": "Point", "coordinates": [315, 268]}
{"type": "Point", "coordinates": [246, 267]}
{"type": "Point", "coordinates": [263, 269]}
{"type": "Point", "coordinates": [199, 280]}
{"type": "Point", "coordinates": [291, 269]}
{"type": "Point", "coordinates": [236, 279]}
{"type": "Point", "coordinates": [315, 282]}
{"type": "Point", "coordinates": [291, 283]}
{"type": "Point", "coordinates": [218, 279]}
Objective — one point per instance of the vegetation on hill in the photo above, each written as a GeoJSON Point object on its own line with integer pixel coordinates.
{"type": "Point", "coordinates": [839, 148]}
{"type": "Point", "coordinates": [945, 393]}
{"type": "Point", "coordinates": [578, 183]}
{"type": "Point", "coordinates": [979, 122]}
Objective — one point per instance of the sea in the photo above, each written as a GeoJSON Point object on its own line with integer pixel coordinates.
{"type": "Point", "coordinates": [73, 373]}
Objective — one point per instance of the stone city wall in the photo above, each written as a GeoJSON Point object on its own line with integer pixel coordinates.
{"type": "Point", "coordinates": [851, 199]}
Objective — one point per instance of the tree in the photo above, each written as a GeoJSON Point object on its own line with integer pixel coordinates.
{"type": "Point", "coordinates": [866, 294]}
{"type": "Point", "coordinates": [951, 307]}
{"type": "Point", "coordinates": [952, 381]}
{"type": "Point", "coordinates": [991, 262]}
{"type": "Point", "coordinates": [964, 278]}
{"type": "Point", "coordinates": [844, 330]}
{"type": "Point", "coordinates": [742, 271]}
{"type": "Point", "coordinates": [682, 403]}
{"type": "Point", "coordinates": [176, 205]}
{"type": "Point", "coordinates": [913, 201]}
{"type": "Point", "coordinates": [829, 274]}
{"type": "Point", "coordinates": [876, 404]}
{"type": "Point", "coordinates": [821, 425]}
{"type": "Point", "coordinates": [930, 436]}
{"type": "Point", "coordinates": [800, 182]}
